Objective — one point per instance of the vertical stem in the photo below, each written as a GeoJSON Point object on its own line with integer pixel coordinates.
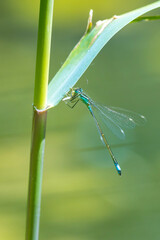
{"type": "Point", "coordinates": [39, 119]}
{"type": "Point", "coordinates": [36, 172]}
{"type": "Point", "coordinates": [43, 53]}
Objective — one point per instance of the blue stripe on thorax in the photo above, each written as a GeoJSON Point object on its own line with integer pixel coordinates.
{"type": "Point", "coordinates": [87, 102]}
{"type": "Point", "coordinates": [84, 99]}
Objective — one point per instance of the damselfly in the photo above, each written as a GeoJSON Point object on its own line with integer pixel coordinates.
{"type": "Point", "coordinates": [114, 118]}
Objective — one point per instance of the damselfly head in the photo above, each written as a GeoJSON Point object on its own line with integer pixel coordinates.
{"type": "Point", "coordinates": [78, 90]}
{"type": "Point", "coordinates": [75, 93]}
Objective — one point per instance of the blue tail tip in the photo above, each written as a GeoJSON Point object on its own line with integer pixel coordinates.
{"type": "Point", "coordinates": [118, 169]}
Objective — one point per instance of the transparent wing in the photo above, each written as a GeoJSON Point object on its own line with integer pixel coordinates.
{"type": "Point", "coordinates": [116, 119]}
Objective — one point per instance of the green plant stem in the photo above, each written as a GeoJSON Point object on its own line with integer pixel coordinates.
{"type": "Point", "coordinates": [43, 53]}
{"type": "Point", "coordinates": [36, 172]}
{"type": "Point", "coordinates": [39, 119]}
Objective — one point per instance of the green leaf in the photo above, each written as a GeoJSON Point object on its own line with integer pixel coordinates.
{"type": "Point", "coordinates": [147, 18]}
{"type": "Point", "coordinates": [87, 49]}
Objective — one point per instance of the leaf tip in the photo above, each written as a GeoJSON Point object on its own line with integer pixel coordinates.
{"type": "Point", "coordinates": [89, 24]}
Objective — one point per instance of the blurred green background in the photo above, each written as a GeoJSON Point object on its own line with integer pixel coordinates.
{"type": "Point", "coordinates": [83, 198]}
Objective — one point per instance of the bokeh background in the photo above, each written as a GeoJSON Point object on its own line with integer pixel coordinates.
{"type": "Point", "coordinates": [83, 198]}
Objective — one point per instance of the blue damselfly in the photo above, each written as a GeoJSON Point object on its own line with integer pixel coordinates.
{"type": "Point", "coordinates": [114, 118]}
